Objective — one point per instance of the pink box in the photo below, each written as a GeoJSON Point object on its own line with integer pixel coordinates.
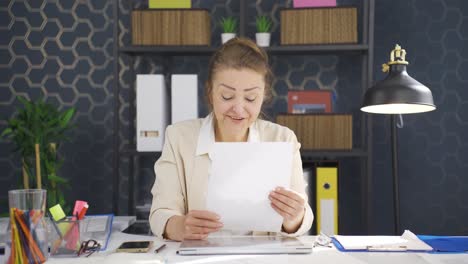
{"type": "Point", "coordinates": [313, 3]}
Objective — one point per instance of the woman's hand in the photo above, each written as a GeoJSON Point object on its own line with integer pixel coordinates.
{"type": "Point", "coordinates": [290, 205]}
{"type": "Point", "coordinates": [197, 224]}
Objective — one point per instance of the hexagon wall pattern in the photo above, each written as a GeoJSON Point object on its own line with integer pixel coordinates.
{"type": "Point", "coordinates": [64, 49]}
{"type": "Point", "coordinates": [433, 147]}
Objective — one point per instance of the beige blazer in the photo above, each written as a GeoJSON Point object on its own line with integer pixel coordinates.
{"type": "Point", "coordinates": [182, 170]}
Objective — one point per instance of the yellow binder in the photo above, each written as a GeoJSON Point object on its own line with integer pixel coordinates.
{"type": "Point", "coordinates": [170, 4]}
{"type": "Point", "coordinates": [327, 200]}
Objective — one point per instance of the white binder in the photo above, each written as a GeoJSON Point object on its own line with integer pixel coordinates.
{"type": "Point", "coordinates": [152, 114]}
{"type": "Point", "coordinates": [184, 88]}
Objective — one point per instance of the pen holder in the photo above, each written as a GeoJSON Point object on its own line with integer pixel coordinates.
{"type": "Point", "coordinates": [28, 228]}
{"type": "Point", "coordinates": [65, 238]}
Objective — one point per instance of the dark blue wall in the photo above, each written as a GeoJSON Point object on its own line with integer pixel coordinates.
{"type": "Point", "coordinates": [64, 49]}
{"type": "Point", "coordinates": [433, 147]}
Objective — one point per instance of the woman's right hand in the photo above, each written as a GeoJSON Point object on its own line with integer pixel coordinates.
{"type": "Point", "coordinates": [197, 224]}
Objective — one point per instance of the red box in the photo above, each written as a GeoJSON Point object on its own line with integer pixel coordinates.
{"type": "Point", "coordinates": [313, 101]}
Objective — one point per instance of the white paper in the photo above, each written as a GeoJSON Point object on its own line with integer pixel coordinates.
{"type": "Point", "coordinates": [327, 216]}
{"type": "Point", "coordinates": [241, 178]}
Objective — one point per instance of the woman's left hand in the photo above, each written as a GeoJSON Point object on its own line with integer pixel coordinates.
{"type": "Point", "coordinates": [290, 205]}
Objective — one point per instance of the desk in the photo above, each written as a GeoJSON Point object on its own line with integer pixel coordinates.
{"type": "Point", "coordinates": [320, 255]}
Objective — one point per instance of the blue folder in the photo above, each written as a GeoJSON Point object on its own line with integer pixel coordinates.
{"type": "Point", "coordinates": [446, 244]}
{"type": "Point", "coordinates": [440, 244]}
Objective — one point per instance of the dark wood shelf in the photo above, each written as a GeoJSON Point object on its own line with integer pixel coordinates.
{"type": "Point", "coordinates": [169, 50]}
{"type": "Point", "coordinates": [308, 154]}
{"type": "Point", "coordinates": [133, 152]}
{"type": "Point", "coordinates": [314, 49]}
{"type": "Point", "coordinates": [273, 50]}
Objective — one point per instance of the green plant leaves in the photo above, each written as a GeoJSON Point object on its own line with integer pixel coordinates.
{"type": "Point", "coordinates": [41, 123]}
{"type": "Point", "coordinates": [57, 179]}
{"type": "Point", "coordinates": [263, 24]}
{"type": "Point", "coordinates": [66, 116]}
{"type": "Point", "coordinates": [6, 132]}
{"type": "Point", "coordinates": [228, 24]}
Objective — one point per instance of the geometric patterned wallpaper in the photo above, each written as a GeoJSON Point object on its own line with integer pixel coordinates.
{"type": "Point", "coordinates": [61, 50]}
{"type": "Point", "coordinates": [64, 51]}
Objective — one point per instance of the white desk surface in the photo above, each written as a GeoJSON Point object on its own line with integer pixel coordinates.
{"type": "Point", "coordinates": [320, 255]}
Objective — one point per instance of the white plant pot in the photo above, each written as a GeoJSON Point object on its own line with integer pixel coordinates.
{"type": "Point", "coordinates": [263, 39]}
{"type": "Point", "coordinates": [227, 36]}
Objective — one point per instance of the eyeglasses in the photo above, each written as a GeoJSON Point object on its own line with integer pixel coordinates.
{"type": "Point", "coordinates": [89, 247]}
{"type": "Point", "coordinates": [322, 240]}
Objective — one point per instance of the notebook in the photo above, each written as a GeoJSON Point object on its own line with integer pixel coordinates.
{"type": "Point", "coordinates": [244, 245]}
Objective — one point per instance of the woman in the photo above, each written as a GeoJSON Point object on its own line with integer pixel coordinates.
{"type": "Point", "coordinates": [239, 81]}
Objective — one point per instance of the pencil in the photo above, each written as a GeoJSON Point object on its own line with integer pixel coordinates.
{"type": "Point", "coordinates": [34, 248]}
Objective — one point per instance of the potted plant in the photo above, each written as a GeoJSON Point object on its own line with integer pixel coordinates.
{"type": "Point", "coordinates": [37, 130]}
{"type": "Point", "coordinates": [229, 26]}
{"type": "Point", "coordinates": [263, 34]}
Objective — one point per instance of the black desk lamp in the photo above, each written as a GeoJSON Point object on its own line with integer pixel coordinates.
{"type": "Point", "coordinates": [397, 94]}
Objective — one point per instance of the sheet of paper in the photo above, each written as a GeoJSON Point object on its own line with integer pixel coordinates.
{"type": "Point", "coordinates": [241, 178]}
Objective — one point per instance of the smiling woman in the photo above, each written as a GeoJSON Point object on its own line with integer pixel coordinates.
{"type": "Point", "coordinates": [238, 84]}
{"type": "Point", "coordinates": [237, 98]}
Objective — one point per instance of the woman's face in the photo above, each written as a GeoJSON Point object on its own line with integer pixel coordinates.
{"type": "Point", "coordinates": [237, 98]}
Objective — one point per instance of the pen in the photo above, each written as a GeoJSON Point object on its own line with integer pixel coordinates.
{"type": "Point", "coordinates": [160, 248]}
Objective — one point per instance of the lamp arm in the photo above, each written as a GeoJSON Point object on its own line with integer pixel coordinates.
{"type": "Point", "coordinates": [400, 123]}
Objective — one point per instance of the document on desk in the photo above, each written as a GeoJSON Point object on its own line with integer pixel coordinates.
{"type": "Point", "coordinates": [406, 242]}
{"type": "Point", "coordinates": [241, 177]}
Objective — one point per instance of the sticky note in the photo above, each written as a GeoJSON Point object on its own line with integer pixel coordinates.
{"type": "Point", "coordinates": [57, 212]}
{"type": "Point", "coordinates": [78, 207]}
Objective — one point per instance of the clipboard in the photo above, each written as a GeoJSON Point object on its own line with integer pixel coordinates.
{"type": "Point", "coordinates": [408, 242]}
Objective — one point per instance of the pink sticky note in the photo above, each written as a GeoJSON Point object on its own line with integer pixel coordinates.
{"type": "Point", "coordinates": [313, 3]}
{"type": "Point", "coordinates": [78, 206]}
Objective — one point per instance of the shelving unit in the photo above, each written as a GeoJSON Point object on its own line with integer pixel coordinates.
{"type": "Point", "coordinates": [364, 48]}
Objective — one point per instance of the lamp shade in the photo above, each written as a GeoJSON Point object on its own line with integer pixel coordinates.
{"type": "Point", "coordinates": [398, 93]}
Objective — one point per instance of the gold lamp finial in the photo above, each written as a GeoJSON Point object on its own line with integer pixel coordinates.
{"type": "Point", "coordinates": [397, 56]}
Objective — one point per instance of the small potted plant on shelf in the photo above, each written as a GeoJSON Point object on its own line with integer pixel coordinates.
{"type": "Point", "coordinates": [229, 26]}
{"type": "Point", "coordinates": [263, 31]}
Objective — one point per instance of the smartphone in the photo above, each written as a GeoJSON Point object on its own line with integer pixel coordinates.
{"type": "Point", "coordinates": [135, 246]}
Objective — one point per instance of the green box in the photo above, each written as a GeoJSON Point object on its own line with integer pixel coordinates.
{"type": "Point", "coordinates": [170, 4]}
